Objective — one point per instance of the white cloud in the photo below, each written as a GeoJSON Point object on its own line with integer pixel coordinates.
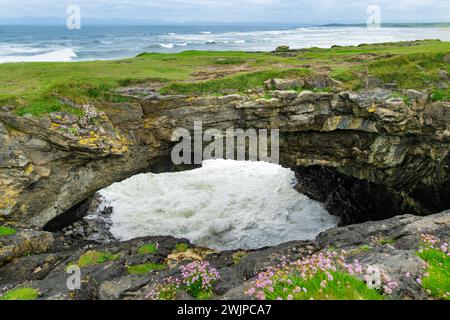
{"type": "Point", "coordinates": [300, 11]}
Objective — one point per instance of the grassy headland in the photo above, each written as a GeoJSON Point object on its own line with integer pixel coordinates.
{"type": "Point", "coordinates": [39, 88]}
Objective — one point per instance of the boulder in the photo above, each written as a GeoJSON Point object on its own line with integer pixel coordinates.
{"type": "Point", "coordinates": [284, 84]}
{"type": "Point", "coordinates": [24, 242]}
{"type": "Point", "coordinates": [443, 74]}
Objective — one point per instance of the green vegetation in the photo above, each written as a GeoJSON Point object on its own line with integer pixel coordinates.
{"type": "Point", "coordinates": [387, 241]}
{"type": "Point", "coordinates": [365, 247]}
{"type": "Point", "coordinates": [20, 294]}
{"type": "Point", "coordinates": [413, 71]}
{"type": "Point", "coordinates": [38, 108]}
{"type": "Point", "coordinates": [238, 83]}
{"type": "Point", "coordinates": [95, 257]}
{"type": "Point", "coordinates": [238, 256]}
{"type": "Point", "coordinates": [144, 268]}
{"type": "Point", "coordinates": [181, 247]}
{"type": "Point", "coordinates": [37, 88]}
{"type": "Point", "coordinates": [25, 84]}
{"type": "Point", "coordinates": [147, 249]}
{"type": "Point", "coordinates": [405, 99]}
{"type": "Point", "coordinates": [347, 76]}
{"type": "Point", "coordinates": [342, 287]}
{"type": "Point", "coordinates": [7, 231]}
{"type": "Point", "coordinates": [437, 280]}
{"type": "Point", "coordinates": [440, 95]}
{"type": "Point", "coordinates": [267, 96]}
{"type": "Point", "coordinates": [227, 61]}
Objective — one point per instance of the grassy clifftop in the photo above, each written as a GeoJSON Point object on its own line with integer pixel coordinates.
{"type": "Point", "coordinates": [38, 88]}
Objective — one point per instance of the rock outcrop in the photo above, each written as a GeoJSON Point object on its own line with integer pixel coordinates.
{"type": "Point", "coordinates": [382, 145]}
{"type": "Point", "coordinates": [390, 244]}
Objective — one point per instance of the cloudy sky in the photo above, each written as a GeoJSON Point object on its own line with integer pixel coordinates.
{"type": "Point", "coordinates": [288, 11]}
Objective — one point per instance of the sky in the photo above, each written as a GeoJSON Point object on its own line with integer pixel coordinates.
{"type": "Point", "coordinates": [229, 11]}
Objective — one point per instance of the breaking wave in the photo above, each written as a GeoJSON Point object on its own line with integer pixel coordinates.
{"type": "Point", "coordinates": [61, 55]}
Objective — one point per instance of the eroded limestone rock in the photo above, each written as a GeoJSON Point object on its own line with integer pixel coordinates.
{"type": "Point", "coordinates": [370, 136]}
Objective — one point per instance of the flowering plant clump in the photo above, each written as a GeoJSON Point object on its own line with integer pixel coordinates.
{"type": "Point", "coordinates": [167, 290]}
{"type": "Point", "coordinates": [428, 241]}
{"type": "Point", "coordinates": [321, 276]}
{"type": "Point", "coordinates": [89, 115]}
{"type": "Point", "coordinates": [199, 278]}
{"type": "Point", "coordinates": [376, 278]}
{"type": "Point", "coordinates": [436, 279]}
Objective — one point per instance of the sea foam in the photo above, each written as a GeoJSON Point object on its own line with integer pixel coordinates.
{"type": "Point", "coordinates": [223, 205]}
{"type": "Point", "coordinates": [61, 55]}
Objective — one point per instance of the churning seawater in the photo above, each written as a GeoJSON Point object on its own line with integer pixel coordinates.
{"type": "Point", "coordinates": [223, 205]}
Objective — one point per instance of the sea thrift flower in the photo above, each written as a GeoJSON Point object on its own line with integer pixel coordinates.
{"type": "Point", "coordinates": [278, 282]}
{"type": "Point", "coordinates": [166, 290]}
{"type": "Point", "coordinates": [199, 277]}
{"type": "Point", "coordinates": [373, 277]}
{"type": "Point", "coordinates": [250, 291]}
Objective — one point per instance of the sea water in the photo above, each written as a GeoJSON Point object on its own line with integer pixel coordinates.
{"type": "Point", "coordinates": [223, 205]}
{"type": "Point", "coordinates": [57, 43]}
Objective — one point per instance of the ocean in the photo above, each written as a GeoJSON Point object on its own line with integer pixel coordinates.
{"type": "Point", "coordinates": [57, 43]}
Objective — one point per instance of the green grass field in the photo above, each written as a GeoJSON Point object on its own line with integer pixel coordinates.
{"type": "Point", "coordinates": [37, 88]}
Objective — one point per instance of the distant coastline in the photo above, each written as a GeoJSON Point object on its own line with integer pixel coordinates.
{"type": "Point", "coordinates": [392, 25]}
{"type": "Point", "coordinates": [56, 21]}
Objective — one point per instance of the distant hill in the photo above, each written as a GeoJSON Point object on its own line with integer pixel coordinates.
{"type": "Point", "coordinates": [33, 21]}
{"type": "Point", "coordinates": [55, 21]}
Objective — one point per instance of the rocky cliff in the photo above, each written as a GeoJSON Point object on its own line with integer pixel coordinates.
{"type": "Point", "coordinates": [376, 155]}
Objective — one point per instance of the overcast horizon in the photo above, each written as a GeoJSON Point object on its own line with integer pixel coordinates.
{"type": "Point", "coordinates": [232, 11]}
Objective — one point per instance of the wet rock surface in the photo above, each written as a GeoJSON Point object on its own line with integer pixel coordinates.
{"type": "Point", "coordinates": [46, 269]}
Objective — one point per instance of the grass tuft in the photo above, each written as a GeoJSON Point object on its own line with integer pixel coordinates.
{"type": "Point", "coordinates": [147, 249]}
{"type": "Point", "coordinates": [438, 280]}
{"type": "Point", "coordinates": [181, 247]}
{"type": "Point", "coordinates": [238, 256]}
{"type": "Point", "coordinates": [144, 268]}
{"type": "Point", "coordinates": [20, 294]}
{"type": "Point", "coordinates": [343, 287]}
{"type": "Point", "coordinates": [440, 95]}
{"type": "Point", "coordinates": [7, 231]}
{"type": "Point", "coordinates": [38, 108]}
{"type": "Point", "coordinates": [95, 257]}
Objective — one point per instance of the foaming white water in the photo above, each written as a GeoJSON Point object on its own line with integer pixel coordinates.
{"type": "Point", "coordinates": [323, 37]}
{"type": "Point", "coordinates": [61, 55]}
{"type": "Point", "coordinates": [223, 205]}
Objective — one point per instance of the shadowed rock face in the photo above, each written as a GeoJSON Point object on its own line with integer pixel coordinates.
{"type": "Point", "coordinates": [353, 151]}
